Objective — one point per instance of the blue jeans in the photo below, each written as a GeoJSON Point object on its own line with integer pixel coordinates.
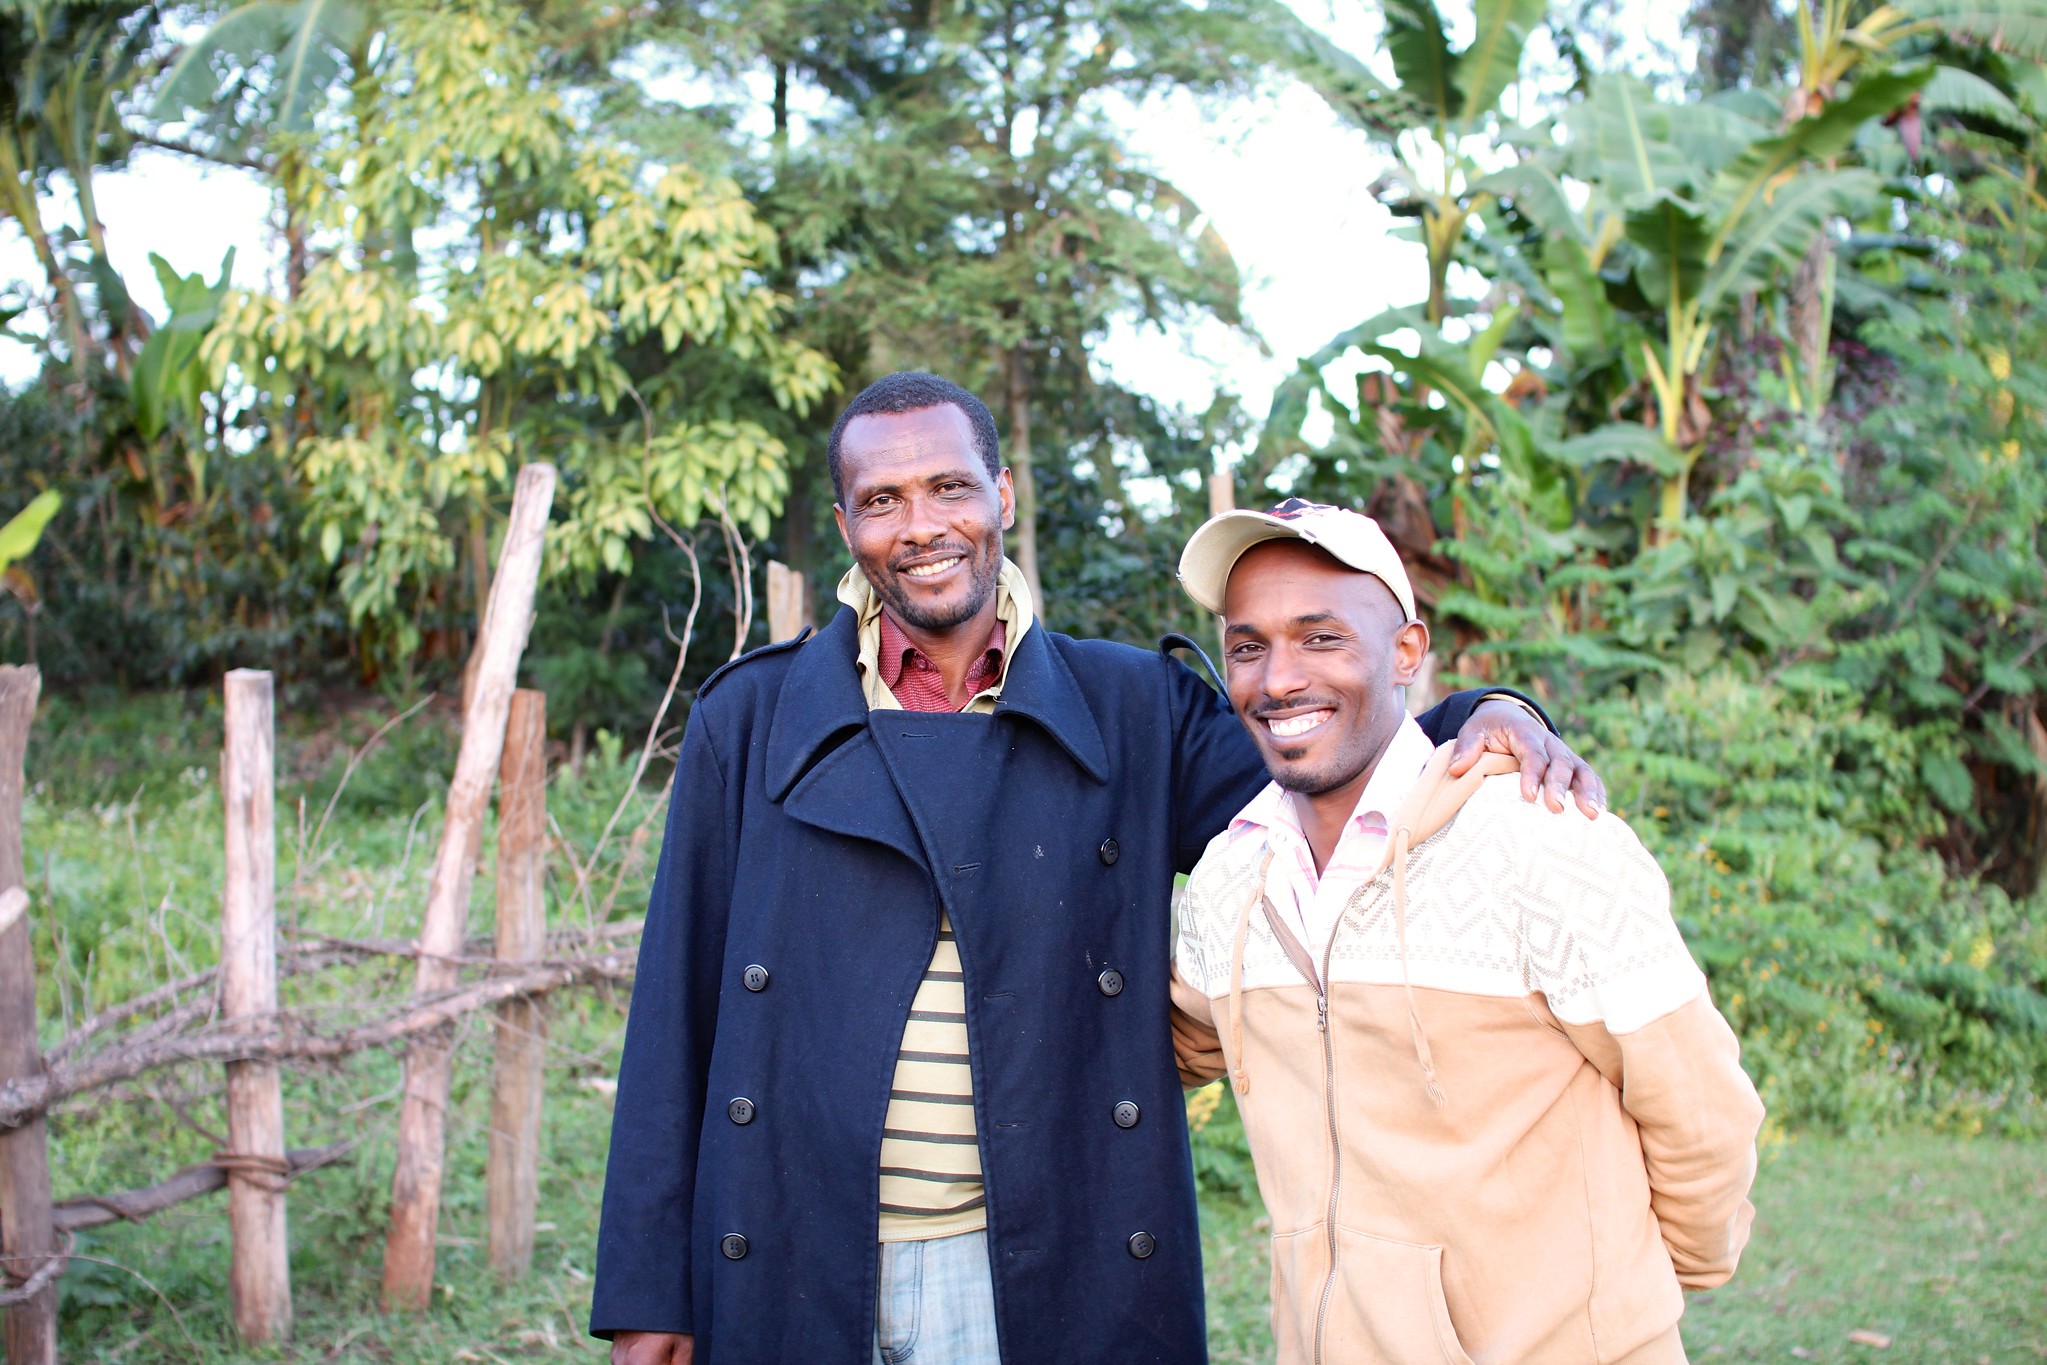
{"type": "Point", "coordinates": [936, 1305]}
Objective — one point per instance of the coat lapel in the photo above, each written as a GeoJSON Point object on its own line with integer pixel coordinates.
{"type": "Point", "coordinates": [1041, 687]}
{"type": "Point", "coordinates": [821, 761]}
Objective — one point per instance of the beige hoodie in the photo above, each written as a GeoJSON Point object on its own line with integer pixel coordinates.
{"type": "Point", "coordinates": [1499, 1120]}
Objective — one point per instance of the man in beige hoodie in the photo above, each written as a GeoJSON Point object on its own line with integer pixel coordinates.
{"type": "Point", "coordinates": [1495, 1115]}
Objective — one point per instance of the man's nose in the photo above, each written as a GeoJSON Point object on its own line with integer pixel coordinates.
{"type": "Point", "coordinates": [1284, 674]}
{"type": "Point", "coordinates": [925, 522]}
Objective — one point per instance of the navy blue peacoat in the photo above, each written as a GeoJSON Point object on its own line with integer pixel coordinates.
{"type": "Point", "coordinates": [811, 845]}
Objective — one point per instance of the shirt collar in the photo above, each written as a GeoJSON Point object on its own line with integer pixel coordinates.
{"type": "Point", "coordinates": [1409, 751]}
{"type": "Point", "coordinates": [896, 651]}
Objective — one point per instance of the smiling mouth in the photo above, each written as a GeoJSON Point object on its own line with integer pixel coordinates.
{"type": "Point", "coordinates": [1293, 727]}
{"type": "Point", "coordinates": [933, 569]}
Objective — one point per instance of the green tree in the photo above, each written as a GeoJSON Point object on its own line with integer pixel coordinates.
{"type": "Point", "coordinates": [967, 200]}
{"type": "Point", "coordinates": [489, 279]}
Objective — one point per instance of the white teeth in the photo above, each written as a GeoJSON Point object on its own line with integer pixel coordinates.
{"type": "Point", "coordinates": [927, 570]}
{"type": "Point", "coordinates": [1296, 725]}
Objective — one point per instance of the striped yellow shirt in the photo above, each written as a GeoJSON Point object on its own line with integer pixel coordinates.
{"type": "Point", "coordinates": [930, 1151]}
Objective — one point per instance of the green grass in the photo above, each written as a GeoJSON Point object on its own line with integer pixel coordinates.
{"type": "Point", "coordinates": [1937, 1242]}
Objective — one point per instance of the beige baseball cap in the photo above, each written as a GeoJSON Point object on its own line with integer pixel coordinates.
{"type": "Point", "coordinates": [1352, 537]}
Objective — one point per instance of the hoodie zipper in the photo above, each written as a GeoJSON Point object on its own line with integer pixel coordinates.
{"type": "Point", "coordinates": [1335, 1159]}
{"type": "Point", "coordinates": [1335, 1140]}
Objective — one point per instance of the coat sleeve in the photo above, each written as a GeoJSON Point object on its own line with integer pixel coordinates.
{"type": "Point", "coordinates": [644, 1242]}
{"type": "Point", "coordinates": [1442, 721]}
{"type": "Point", "coordinates": [1216, 768]}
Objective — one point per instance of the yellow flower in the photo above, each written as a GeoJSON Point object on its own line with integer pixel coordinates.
{"type": "Point", "coordinates": [1981, 951]}
{"type": "Point", "coordinates": [2000, 364]}
{"type": "Point", "coordinates": [1202, 1104]}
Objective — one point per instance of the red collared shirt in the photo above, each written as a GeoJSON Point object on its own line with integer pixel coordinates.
{"type": "Point", "coordinates": [916, 681]}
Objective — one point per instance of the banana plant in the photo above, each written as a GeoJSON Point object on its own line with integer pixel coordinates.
{"type": "Point", "coordinates": [18, 537]}
{"type": "Point", "coordinates": [169, 377]}
{"type": "Point", "coordinates": [285, 56]}
{"type": "Point", "coordinates": [1440, 110]}
{"type": "Point", "coordinates": [1712, 204]}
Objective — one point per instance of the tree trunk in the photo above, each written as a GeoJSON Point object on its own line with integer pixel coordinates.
{"type": "Point", "coordinates": [1026, 537]}
{"type": "Point", "coordinates": [260, 1273]}
{"type": "Point", "coordinates": [27, 1236]}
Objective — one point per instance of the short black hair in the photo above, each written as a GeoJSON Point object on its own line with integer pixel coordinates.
{"type": "Point", "coordinates": [914, 391]}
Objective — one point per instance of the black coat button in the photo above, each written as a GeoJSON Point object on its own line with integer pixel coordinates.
{"type": "Point", "coordinates": [1110, 981]}
{"type": "Point", "coordinates": [1142, 1244]}
{"type": "Point", "coordinates": [1125, 1113]}
{"type": "Point", "coordinates": [740, 1110]}
{"type": "Point", "coordinates": [734, 1246]}
{"type": "Point", "coordinates": [755, 977]}
{"type": "Point", "coordinates": [1111, 851]}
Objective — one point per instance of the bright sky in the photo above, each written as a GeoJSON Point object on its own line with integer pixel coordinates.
{"type": "Point", "coordinates": [1283, 182]}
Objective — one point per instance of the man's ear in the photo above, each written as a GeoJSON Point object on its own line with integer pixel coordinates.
{"type": "Point", "coordinates": [1410, 647]}
{"type": "Point", "coordinates": [839, 516]}
{"type": "Point", "coordinates": [1005, 493]}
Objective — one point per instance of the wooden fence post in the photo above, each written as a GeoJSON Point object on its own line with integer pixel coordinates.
{"type": "Point", "coordinates": [26, 1234]}
{"type": "Point", "coordinates": [788, 601]}
{"type": "Point", "coordinates": [1222, 497]}
{"type": "Point", "coordinates": [513, 1175]}
{"type": "Point", "coordinates": [429, 1060]}
{"type": "Point", "coordinates": [260, 1279]}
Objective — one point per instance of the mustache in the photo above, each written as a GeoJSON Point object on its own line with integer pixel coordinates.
{"type": "Point", "coordinates": [901, 563]}
{"type": "Point", "coordinates": [1262, 709]}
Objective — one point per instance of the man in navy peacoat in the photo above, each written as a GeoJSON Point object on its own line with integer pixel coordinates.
{"type": "Point", "coordinates": [812, 845]}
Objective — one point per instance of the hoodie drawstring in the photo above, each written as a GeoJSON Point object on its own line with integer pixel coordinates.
{"type": "Point", "coordinates": [1414, 1014]}
{"type": "Point", "coordinates": [1240, 1079]}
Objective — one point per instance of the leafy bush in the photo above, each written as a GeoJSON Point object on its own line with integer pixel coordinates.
{"type": "Point", "coordinates": [1869, 985]}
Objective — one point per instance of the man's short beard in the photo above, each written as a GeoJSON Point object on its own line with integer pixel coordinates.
{"type": "Point", "coordinates": [987, 573]}
{"type": "Point", "coordinates": [1317, 783]}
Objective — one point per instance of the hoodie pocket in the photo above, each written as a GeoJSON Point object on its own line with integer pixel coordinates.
{"type": "Point", "coordinates": [1388, 1305]}
{"type": "Point", "coordinates": [1300, 1267]}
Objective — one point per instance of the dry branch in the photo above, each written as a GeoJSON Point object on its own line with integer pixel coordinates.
{"type": "Point", "coordinates": [288, 1037]}
{"type": "Point", "coordinates": [132, 1206]}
